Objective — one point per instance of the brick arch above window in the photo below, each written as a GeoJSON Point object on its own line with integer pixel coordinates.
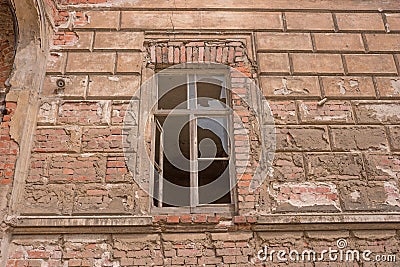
{"type": "Point", "coordinates": [232, 53]}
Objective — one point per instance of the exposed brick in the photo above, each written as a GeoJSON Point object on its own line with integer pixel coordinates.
{"type": "Point", "coordinates": [330, 112]}
{"type": "Point", "coordinates": [307, 196]}
{"type": "Point", "coordinates": [122, 86]}
{"type": "Point", "coordinates": [383, 42]}
{"type": "Point", "coordinates": [296, 138]}
{"type": "Point", "coordinates": [129, 62]}
{"type": "Point", "coordinates": [57, 139]}
{"type": "Point", "coordinates": [284, 112]}
{"type": "Point", "coordinates": [338, 42]}
{"type": "Point", "coordinates": [382, 166]}
{"type": "Point", "coordinates": [379, 64]}
{"type": "Point", "coordinates": [90, 62]}
{"type": "Point", "coordinates": [104, 139]}
{"type": "Point", "coordinates": [119, 40]}
{"type": "Point", "coordinates": [354, 87]}
{"type": "Point", "coordinates": [309, 21]}
{"type": "Point", "coordinates": [394, 134]}
{"type": "Point", "coordinates": [284, 41]}
{"type": "Point", "coordinates": [393, 21]}
{"type": "Point", "coordinates": [121, 116]}
{"type": "Point", "coordinates": [83, 113]}
{"type": "Point", "coordinates": [56, 62]}
{"type": "Point", "coordinates": [360, 22]}
{"type": "Point", "coordinates": [350, 138]}
{"type": "Point", "coordinates": [290, 86]}
{"type": "Point", "coordinates": [75, 86]}
{"type": "Point", "coordinates": [317, 63]}
{"type": "Point", "coordinates": [377, 112]}
{"type": "Point", "coordinates": [388, 87]}
{"type": "Point", "coordinates": [274, 63]}
{"type": "Point", "coordinates": [99, 20]}
{"type": "Point", "coordinates": [288, 167]}
{"type": "Point", "coordinates": [73, 40]}
{"type": "Point", "coordinates": [334, 166]}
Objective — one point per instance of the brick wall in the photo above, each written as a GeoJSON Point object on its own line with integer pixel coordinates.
{"type": "Point", "coordinates": [330, 73]}
{"type": "Point", "coordinates": [7, 40]}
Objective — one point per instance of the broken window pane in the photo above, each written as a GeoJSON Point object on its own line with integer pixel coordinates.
{"type": "Point", "coordinates": [212, 137]}
{"type": "Point", "coordinates": [211, 93]}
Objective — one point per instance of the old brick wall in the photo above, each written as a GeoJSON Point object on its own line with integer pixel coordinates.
{"type": "Point", "coordinates": [7, 44]}
{"type": "Point", "coordinates": [330, 73]}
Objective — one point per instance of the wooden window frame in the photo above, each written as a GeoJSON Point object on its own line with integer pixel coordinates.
{"type": "Point", "coordinates": [225, 209]}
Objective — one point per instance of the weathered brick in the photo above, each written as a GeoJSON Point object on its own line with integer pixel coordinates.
{"type": "Point", "coordinates": [334, 166]}
{"type": "Point", "coordinates": [393, 21]}
{"type": "Point", "coordinates": [284, 112]}
{"type": "Point", "coordinates": [83, 113]}
{"type": "Point", "coordinates": [56, 62]}
{"type": "Point", "coordinates": [354, 87]}
{"type": "Point", "coordinates": [382, 166]}
{"type": "Point", "coordinates": [200, 20]}
{"type": "Point", "coordinates": [47, 113]}
{"type": "Point", "coordinates": [117, 170]}
{"type": "Point", "coordinates": [377, 112]}
{"type": "Point", "coordinates": [388, 87]}
{"type": "Point", "coordinates": [305, 196]}
{"type": "Point", "coordinates": [317, 63]}
{"type": "Point", "coordinates": [122, 86]}
{"type": "Point", "coordinates": [274, 63]}
{"type": "Point", "coordinates": [330, 112]}
{"type": "Point", "coordinates": [350, 138]}
{"type": "Point", "coordinates": [338, 42]}
{"type": "Point", "coordinates": [57, 139]}
{"type": "Point", "coordinates": [125, 112]}
{"type": "Point", "coordinates": [284, 41]}
{"type": "Point", "coordinates": [99, 20]}
{"type": "Point", "coordinates": [383, 42]}
{"type": "Point", "coordinates": [119, 40]}
{"type": "Point", "coordinates": [48, 199]}
{"type": "Point", "coordinates": [290, 86]}
{"type": "Point", "coordinates": [296, 138]}
{"type": "Point", "coordinates": [379, 64]}
{"type": "Point", "coordinates": [90, 62]}
{"type": "Point", "coordinates": [309, 21]}
{"type": "Point", "coordinates": [394, 135]}
{"type": "Point", "coordinates": [75, 86]}
{"type": "Point", "coordinates": [73, 40]}
{"type": "Point", "coordinates": [288, 167]}
{"type": "Point", "coordinates": [104, 139]}
{"type": "Point", "coordinates": [129, 62]}
{"type": "Point", "coordinates": [360, 22]}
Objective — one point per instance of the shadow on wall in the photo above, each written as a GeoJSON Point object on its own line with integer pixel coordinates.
{"type": "Point", "coordinates": [7, 49]}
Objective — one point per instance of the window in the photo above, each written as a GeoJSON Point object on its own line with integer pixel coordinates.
{"type": "Point", "coordinates": [191, 142]}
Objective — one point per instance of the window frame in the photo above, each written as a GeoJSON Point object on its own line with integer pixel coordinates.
{"type": "Point", "coordinates": [226, 209]}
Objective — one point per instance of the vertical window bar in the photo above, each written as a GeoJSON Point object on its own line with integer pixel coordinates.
{"type": "Point", "coordinates": [161, 161]}
{"type": "Point", "coordinates": [194, 184]}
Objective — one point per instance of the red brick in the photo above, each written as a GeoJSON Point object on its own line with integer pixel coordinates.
{"type": "Point", "coordinates": [330, 112]}
{"type": "Point", "coordinates": [351, 138]}
{"type": "Point", "coordinates": [172, 219]}
{"type": "Point", "coordinates": [360, 22]}
{"type": "Point", "coordinates": [297, 138]}
{"type": "Point", "coordinates": [317, 63]}
{"type": "Point", "coordinates": [284, 41]}
{"type": "Point", "coordinates": [338, 42]}
{"type": "Point", "coordinates": [288, 167]}
{"type": "Point", "coordinates": [349, 87]}
{"type": "Point", "coordinates": [363, 64]}
{"type": "Point", "coordinates": [290, 86]}
{"type": "Point", "coordinates": [393, 21]}
{"type": "Point", "coordinates": [383, 42]}
{"type": "Point", "coordinates": [309, 21]}
{"type": "Point", "coordinates": [388, 87]}
{"type": "Point", "coordinates": [273, 63]}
